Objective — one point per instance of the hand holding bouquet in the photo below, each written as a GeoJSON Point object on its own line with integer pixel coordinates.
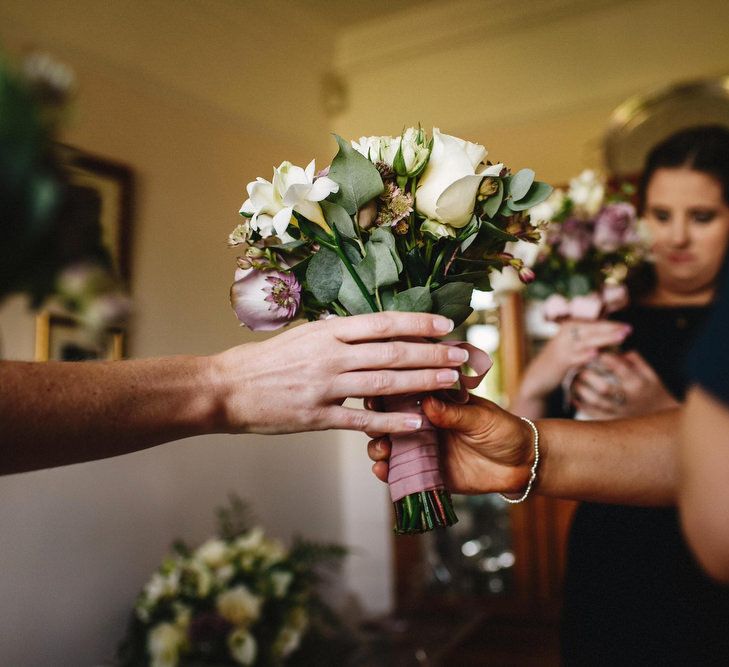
{"type": "Point", "coordinates": [405, 223]}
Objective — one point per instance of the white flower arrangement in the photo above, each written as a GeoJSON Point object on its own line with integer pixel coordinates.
{"type": "Point", "coordinates": [237, 599]}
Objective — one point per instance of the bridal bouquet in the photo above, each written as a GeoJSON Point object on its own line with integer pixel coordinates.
{"type": "Point", "coordinates": [408, 223]}
{"type": "Point", "coordinates": [591, 244]}
{"type": "Point", "coordinates": [237, 599]}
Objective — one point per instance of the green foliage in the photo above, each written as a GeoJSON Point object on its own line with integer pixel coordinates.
{"type": "Point", "coordinates": [324, 275]}
{"type": "Point", "coordinates": [358, 179]}
{"type": "Point", "coordinates": [339, 219]}
{"type": "Point", "coordinates": [415, 300]}
{"type": "Point", "coordinates": [453, 300]}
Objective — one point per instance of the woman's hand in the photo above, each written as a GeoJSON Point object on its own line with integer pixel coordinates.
{"type": "Point", "coordinates": [620, 385]}
{"type": "Point", "coordinates": [576, 343]}
{"type": "Point", "coordinates": [484, 448]}
{"type": "Point", "coordinates": [298, 380]}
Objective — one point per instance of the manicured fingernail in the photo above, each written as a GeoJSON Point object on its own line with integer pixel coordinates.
{"type": "Point", "coordinates": [447, 377]}
{"type": "Point", "coordinates": [414, 423]}
{"type": "Point", "coordinates": [458, 354]}
{"type": "Point", "coordinates": [443, 325]}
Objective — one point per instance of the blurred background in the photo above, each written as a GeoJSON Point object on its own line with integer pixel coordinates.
{"type": "Point", "coordinates": [194, 98]}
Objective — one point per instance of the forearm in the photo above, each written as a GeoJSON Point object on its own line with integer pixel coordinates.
{"type": "Point", "coordinates": [632, 461]}
{"type": "Point", "coordinates": [59, 413]}
{"type": "Point", "coordinates": [704, 489]}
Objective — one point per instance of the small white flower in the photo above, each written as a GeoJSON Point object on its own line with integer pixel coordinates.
{"type": "Point", "coordinates": [270, 205]}
{"type": "Point", "coordinates": [240, 235]}
{"type": "Point", "coordinates": [548, 209]}
{"type": "Point", "coordinates": [378, 149]}
{"type": "Point", "coordinates": [224, 574]}
{"type": "Point", "coordinates": [214, 553]}
{"type": "Point", "coordinates": [289, 638]}
{"type": "Point", "coordinates": [242, 646]}
{"type": "Point", "coordinates": [587, 192]}
{"type": "Point", "coordinates": [239, 606]}
{"type": "Point", "coordinates": [250, 540]}
{"type": "Point", "coordinates": [281, 581]}
{"type": "Point", "coordinates": [288, 641]}
{"type": "Point", "coordinates": [163, 645]}
{"type": "Point", "coordinates": [162, 585]}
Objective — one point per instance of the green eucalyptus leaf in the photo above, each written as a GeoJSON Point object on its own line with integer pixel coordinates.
{"type": "Point", "coordinates": [492, 204]}
{"type": "Point", "coordinates": [579, 285]}
{"type": "Point", "coordinates": [497, 233]}
{"type": "Point", "coordinates": [414, 300]}
{"type": "Point", "coordinates": [505, 209]}
{"type": "Point", "coordinates": [479, 279]}
{"type": "Point", "coordinates": [537, 194]}
{"type": "Point", "coordinates": [324, 275]}
{"type": "Point", "coordinates": [385, 236]}
{"type": "Point", "coordinates": [338, 218]}
{"type": "Point", "coordinates": [351, 297]}
{"type": "Point", "coordinates": [520, 183]}
{"type": "Point", "coordinates": [387, 298]}
{"type": "Point", "coordinates": [358, 179]}
{"type": "Point", "coordinates": [378, 268]}
{"type": "Point", "coordinates": [453, 300]}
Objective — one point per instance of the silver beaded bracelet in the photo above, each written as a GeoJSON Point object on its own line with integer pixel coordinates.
{"type": "Point", "coordinates": [533, 476]}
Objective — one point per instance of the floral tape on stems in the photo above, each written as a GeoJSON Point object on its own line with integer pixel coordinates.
{"type": "Point", "coordinates": [418, 492]}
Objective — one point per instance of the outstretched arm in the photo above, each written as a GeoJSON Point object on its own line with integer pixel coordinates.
{"type": "Point", "coordinates": [486, 449]}
{"type": "Point", "coordinates": [59, 412]}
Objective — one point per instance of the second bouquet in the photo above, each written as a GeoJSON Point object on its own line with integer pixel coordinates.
{"type": "Point", "coordinates": [407, 223]}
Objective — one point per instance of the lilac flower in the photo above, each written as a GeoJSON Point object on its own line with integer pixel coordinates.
{"type": "Point", "coordinates": [615, 227]}
{"type": "Point", "coordinates": [265, 300]}
{"type": "Point", "coordinates": [574, 239]}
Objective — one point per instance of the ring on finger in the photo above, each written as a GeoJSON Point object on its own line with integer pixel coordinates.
{"type": "Point", "coordinates": [619, 397]}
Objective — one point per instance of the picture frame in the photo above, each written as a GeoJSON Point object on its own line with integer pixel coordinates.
{"type": "Point", "coordinates": [101, 192]}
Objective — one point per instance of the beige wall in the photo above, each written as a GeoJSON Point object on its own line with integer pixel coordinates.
{"type": "Point", "coordinates": [534, 81]}
{"type": "Point", "coordinates": [198, 98]}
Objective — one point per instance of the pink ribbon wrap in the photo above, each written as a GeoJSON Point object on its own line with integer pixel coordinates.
{"type": "Point", "coordinates": [414, 464]}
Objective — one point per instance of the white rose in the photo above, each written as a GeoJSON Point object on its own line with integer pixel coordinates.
{"type": "Point", "coordinates": [448, 187]}
{"type": "Point", "coordinates": [163, 645]}
{"type": "Point", "coordinates": [239, 606]}
{"type": "Point", "coordinates": [242, 646]}
{"type": "Point", "coordinates": [587, 192]}
{"type": "Point", "coordinates": [214, 553]}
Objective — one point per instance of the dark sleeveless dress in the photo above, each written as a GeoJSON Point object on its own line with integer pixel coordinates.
{"type": "Point", "coordinates": [633, 593]}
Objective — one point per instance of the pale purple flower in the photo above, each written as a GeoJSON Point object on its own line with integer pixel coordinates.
{"type": "Point", "coordinates": [574, 239]}
{"type": "Point", "coordinates": [265, 300]}
{"type": "Point", "coordinates": [527, 275]}
{"type": "Point", "coordinates": [615, 297]}
{"type": "Point", "coordinates": [555, 308]}
{"type": "Point", "coordinates": [586, 307]}
{"type": "Point", "coordinates": [615, 227]}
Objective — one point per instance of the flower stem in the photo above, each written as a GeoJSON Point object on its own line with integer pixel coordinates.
{"type": "Point", "coordinates": [337, 248]}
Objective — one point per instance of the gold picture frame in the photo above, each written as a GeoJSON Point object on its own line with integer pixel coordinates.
{"type": "Point", "coordinates": [104, 189]}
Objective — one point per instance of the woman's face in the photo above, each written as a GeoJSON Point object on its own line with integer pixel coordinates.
{"type": "Point", "coordinates": [688, 221]}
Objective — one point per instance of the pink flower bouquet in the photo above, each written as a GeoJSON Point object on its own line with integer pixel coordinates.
{"type": "Point", "coordinates": [591, 244]}
{"type": "Point", "coordinates": [409, 223]}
